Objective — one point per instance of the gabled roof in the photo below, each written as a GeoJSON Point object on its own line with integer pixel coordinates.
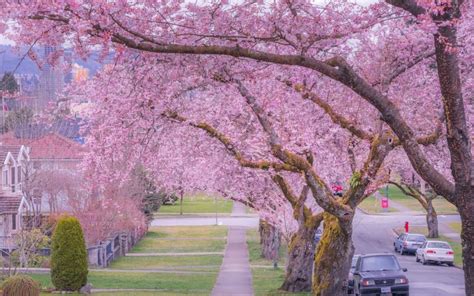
{"type": "Point", "coordinates": [14, 150]}
{"type": "Point", "coordinates": [54, 146]}
{"type": "Point", "coordinates": [49, 146]}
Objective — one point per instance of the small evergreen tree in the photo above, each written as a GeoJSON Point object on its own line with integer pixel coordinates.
{"type": "Point", "coordinates": [68, 255]}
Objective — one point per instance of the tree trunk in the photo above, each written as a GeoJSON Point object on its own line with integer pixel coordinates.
{"type": "Point", "coordinates": [467, 237]}
{"type": "Point", "coordinates": [299, 269]}
{"type": "Point", "coordinates": [432, 220]}
{"type": "Point", "coordinates": [270, 239]}
{"type": "Point", "coordinates": [333, 257]}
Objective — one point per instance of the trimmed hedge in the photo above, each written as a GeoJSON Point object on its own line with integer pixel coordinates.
{"type": "Point", "coordinates": [68, 255]}
{"type": "Point", "coordinates": [20, 285]}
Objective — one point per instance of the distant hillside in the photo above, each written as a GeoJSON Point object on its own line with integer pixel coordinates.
{"type": "Point", "coordinates": [9, 59]}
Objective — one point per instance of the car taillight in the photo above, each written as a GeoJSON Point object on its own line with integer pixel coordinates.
{"type": "Point", "coordinates": [450, 253]}
{"type": "Point", "coordinates": [431, 252]}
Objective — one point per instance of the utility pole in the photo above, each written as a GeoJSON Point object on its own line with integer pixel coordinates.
{"type": "Point", "coordinates": [215, 203]}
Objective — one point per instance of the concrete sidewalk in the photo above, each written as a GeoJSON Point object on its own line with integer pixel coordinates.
{"type": "Point", "coordinates": [235, 277]}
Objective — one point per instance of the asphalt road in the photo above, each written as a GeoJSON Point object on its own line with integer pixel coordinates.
{"type": "Point", "coordinates": [373, 234]}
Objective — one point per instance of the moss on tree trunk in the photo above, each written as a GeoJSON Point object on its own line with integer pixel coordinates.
{"type": "Point", "coordinates": [333, 257]}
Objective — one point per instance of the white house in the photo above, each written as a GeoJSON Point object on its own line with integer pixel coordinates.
{"type": "Point", "coordinates": [12, 203]}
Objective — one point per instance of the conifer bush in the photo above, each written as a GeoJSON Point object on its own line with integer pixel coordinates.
{"type": "Point", "coordinates": [68, 255]}
{"type": "Point", "coordinates": [20, 285]}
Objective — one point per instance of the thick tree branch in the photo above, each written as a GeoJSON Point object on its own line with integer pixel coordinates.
{"type": "Point", "coordinates": [410, 6]}
{"type": "Point", "coordinates": [336, 118]}
{"type": "Point", "coordinates": [300, 210]}
{"type": "Point", "coordinates": [230, 147]}
{"type": "Point", "coordinates": [321, 192]}
{"type": "Point", "coordinates": [380, 147]}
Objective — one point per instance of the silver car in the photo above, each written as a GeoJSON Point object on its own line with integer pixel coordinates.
{"type": "Point", "coordinates": [436, 252]}
{"type": "Point", "coordinates": [408, 242]}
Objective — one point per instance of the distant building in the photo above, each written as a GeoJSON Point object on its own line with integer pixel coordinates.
{"type": "Point", "coordinates": [51, 80]}
{"type": "Point", "coordinates": [79, 73]}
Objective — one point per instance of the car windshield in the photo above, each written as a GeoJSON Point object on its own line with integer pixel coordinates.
{"type": "Point", "coordinates": [438, 245]}
{"type": "Point", "coordinates": [379, 263]}
{"type": "Point", "coordinates": [416, 238]}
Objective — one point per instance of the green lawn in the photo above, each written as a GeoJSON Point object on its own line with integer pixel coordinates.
{"type": "Point", "coordinates": [373, 206]}
{"type": "Point", "coordinates": [176, 283]}
{"type": "Point", "coordinates": [455, 245]}
{"type": "Point", "coordinates": [253, 244]}
{"type": "Point", "coordinates": [173, 232]}
{"type": "Point", "coordinates": [198, 204]}
{"type": "Point", "coordinates": [157, 262]}
{"type": "Point", "coordinates": [440, 204]}
{"type": "Point", "coordinates": [163, 239]}
{"type": "Point", "coordinates": [183, 239]}
{"type": "Point", "coordinates": [266, 281]}
{"type": "Point", "coordinates": [456, 226]}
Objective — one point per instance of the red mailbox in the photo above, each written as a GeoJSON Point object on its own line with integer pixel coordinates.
{"type": "Point", "coordinates": [384, 203]}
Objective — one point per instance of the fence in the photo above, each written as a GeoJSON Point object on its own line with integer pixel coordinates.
{"type": "Point", "coordinates": [103, 254]}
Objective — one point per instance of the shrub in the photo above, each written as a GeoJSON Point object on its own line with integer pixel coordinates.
{"type": "Point", "coordinates": [20, 285]}
{"type": "Point", "coordinates": [68, 255]}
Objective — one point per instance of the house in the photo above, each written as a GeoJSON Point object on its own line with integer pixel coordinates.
{"type": "Point", "coordinates": [12, 203]}
{"type": "Point", "coordinates": [24, 159]}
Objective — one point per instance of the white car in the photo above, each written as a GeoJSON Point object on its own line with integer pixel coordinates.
{"type": "Point", "coordinates": [436, 252]}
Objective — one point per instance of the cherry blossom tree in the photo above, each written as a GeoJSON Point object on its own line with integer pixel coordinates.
{"type": "Point", "coordinates": [333, 43]}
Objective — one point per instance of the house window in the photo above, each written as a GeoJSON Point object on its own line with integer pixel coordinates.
{"type": "Point", "coordinates": [19, 174]}
{"type": "Point", "coordinates": [5, 177]}
{"type": "Point", "coordinates": [13, 179]}
{"type": "Point", "coordinates": [13, 221]}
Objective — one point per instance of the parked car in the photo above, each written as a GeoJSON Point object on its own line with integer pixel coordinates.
{"type": "Point", "coordinates": [435, 251]}
{"type": "Point", "coordinates": [380, 274]}
{"type": "Point", "coordinates": [350, 284]}
{"type": "Point", "coordinates": [408, 242]}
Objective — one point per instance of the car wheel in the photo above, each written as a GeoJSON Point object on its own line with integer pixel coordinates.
{"type": "Point", "coordinates": [423, 261]}
{"type": "Point", "coordinates": [450, 263]}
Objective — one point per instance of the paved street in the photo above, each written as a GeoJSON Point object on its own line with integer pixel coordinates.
{"type": "Point", "coordinates": [373, 234]}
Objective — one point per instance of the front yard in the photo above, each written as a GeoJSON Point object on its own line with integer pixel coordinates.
{"type": "Point", "coordinates": [179, 274]}
{"type": "Point", "coordinates": [198, 204]}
